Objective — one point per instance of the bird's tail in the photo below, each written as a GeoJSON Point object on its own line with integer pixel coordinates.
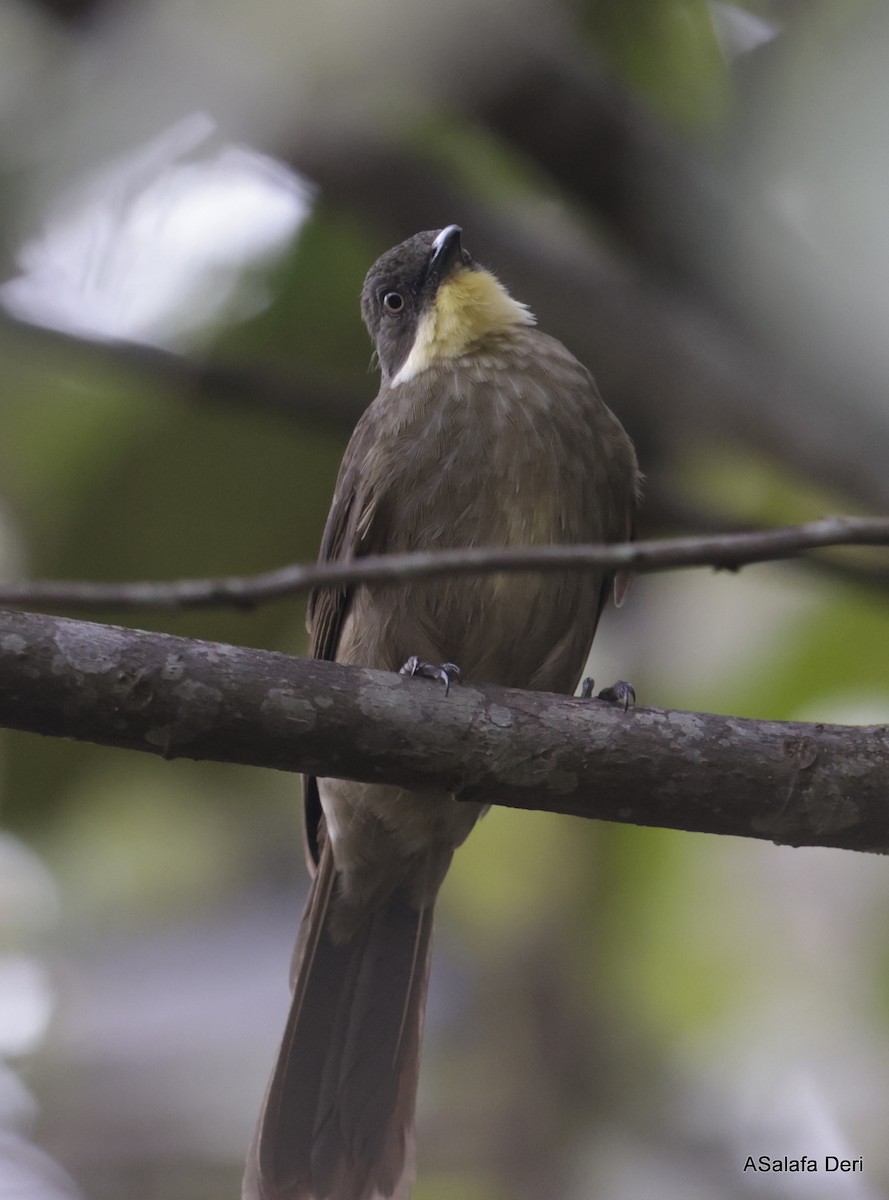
{"type": "Point", "coordinates": [337, 1121]}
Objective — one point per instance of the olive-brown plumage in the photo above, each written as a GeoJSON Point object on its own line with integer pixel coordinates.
{"type": "Point", "coordinates": [485, 432]}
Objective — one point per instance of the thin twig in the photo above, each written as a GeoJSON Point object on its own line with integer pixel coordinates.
{"type": "Point", "coordinates": [723, 551]}
{"type": "Point", "coordinates": [288, 393]}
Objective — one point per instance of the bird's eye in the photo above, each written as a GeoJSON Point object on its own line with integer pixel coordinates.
{"type": "Point", "coordinates": [393, 302]}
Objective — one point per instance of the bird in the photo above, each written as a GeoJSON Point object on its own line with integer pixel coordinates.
{"type": "Point", "coordinates": [485, 432]}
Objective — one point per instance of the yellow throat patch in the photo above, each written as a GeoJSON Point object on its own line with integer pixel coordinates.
{"type": "Point", "coordinates": [469, 306]}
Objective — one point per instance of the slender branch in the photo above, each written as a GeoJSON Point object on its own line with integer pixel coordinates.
{"type": "Point", "coordinates": [723, 551]}
{"type": "Point", "coordinates": [264, 389]}
{"type": "Point", "coordinates": [669, 513]}
{"type": "Point", "coordinates": [796, 784]}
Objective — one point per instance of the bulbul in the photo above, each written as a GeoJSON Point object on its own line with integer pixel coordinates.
{"type": "Point", "coordinates": [485, 432]}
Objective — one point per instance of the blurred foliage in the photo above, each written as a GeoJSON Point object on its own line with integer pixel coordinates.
{"type": "Point", "coordinates": [596, 988]}
{"type": "Point", "coordinates": [313, 318]}
{"type": "Point", "coordinates": [667, 50]}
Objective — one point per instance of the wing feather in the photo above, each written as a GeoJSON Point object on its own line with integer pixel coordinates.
{"type": "Point", "coordinates": [346, 536]}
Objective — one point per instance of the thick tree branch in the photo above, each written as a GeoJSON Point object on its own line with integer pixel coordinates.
{"type": "Point", "coordinates": [725, 551]}
{"type": "Point", "coordinates": [796, 784]}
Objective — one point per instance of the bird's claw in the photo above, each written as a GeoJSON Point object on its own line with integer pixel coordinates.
{"type": "Point", "coordinates": [621, 693]}
{"type": "Point", "coordinates": [447, 672]}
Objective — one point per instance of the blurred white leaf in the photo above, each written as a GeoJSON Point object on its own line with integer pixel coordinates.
{"type": "Point", "coordinates": [153, 247]}
{"type": "Point", "coordinates": [26, 1173]}
{"type": "Point", "coordinates": [739, 30]}
{"type": "Point", "coordinates": [26, 1003]}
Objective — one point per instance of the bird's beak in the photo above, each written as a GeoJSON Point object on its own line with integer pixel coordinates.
{"type": "Point", "coordinates": [447, 249]}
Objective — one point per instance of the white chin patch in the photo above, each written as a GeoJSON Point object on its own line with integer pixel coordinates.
{"type": "Point", "coordinates": [412, 366]}
{"type": "Point", "coordinates": [422, 353]}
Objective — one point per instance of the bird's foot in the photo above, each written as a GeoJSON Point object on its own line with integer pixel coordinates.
{"type": "Point", "coordinates": [621, 693]}
{"type": "Point", "coordinates": [448, 673]}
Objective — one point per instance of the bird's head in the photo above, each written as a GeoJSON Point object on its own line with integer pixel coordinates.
{"type": "Point", "coordinates": [426, 301]}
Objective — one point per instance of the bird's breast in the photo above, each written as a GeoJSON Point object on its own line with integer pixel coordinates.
{"type": "Point", "coordinates": [490, 453]}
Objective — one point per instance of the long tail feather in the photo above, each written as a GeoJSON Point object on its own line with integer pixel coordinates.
{"type": "Point", "coordinates": [337, 1123]}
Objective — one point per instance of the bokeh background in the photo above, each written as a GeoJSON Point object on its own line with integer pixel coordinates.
{"type": "Point", "coordinates": [693, 196]}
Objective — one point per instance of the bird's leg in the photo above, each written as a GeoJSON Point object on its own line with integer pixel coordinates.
{"type": "Point", "coordinates": [621, 693]}
{"type": "Point", "coordinates": [447, 672]}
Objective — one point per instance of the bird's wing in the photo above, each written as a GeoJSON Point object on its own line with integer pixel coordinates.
{"type": "Point", "coordinates": [346, 536]}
